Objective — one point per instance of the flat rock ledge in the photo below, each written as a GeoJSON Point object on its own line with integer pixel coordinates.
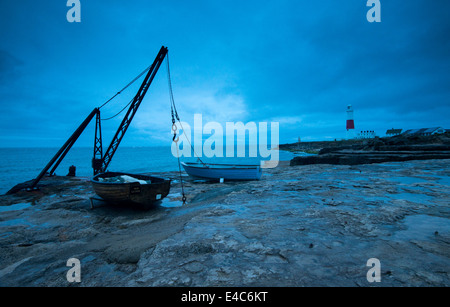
{"type": "Point", "coordinates": [313, 225]}
{"type": "Point", "coordinates": [354, 157]}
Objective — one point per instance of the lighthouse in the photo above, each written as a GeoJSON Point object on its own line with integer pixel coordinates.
{"type": "Point", "coordinates": [350, 123]}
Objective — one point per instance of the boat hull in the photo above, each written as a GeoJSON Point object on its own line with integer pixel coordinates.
{"type": "Point", "coordinates": [223, 171]}
{"type": "Point", "coordinates": [132, 193]}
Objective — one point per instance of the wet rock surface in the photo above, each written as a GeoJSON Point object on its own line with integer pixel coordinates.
{"type": "Point", "coordinates": [312, 225]}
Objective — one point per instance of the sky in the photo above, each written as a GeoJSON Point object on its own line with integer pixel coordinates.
{"type": "Point", "coordinates": [298, 63]}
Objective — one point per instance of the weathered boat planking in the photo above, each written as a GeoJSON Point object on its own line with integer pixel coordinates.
{"type": "Point", "coordinates": [132, 193]}
{"type": "Point", "coordinates": [223, 171]}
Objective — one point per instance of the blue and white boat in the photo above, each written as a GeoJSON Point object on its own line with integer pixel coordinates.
{"type": "Point", "coordinates": [223, 171]}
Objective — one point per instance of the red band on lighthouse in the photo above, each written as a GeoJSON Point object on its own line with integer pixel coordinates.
{"type": "Point", "coordinates": [350, 124]}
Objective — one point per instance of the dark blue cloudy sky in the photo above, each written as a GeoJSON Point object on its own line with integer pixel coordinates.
{"type": "Point", "coordinates": [296, 62]}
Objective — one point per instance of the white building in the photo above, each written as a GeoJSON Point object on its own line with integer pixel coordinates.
{"type": "Point", "coordinates": [367, 134]}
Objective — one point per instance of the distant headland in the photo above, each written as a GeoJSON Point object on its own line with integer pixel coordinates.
{"type": "Point", "coordinates": [401, 147]}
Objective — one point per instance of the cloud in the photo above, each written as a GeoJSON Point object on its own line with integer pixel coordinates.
{"type": "Point", "coordinates": [299, 62]}
{"type": "Point", "coordinates": [154, 119]}
{"type": "Point", "coordinates": [287, 120]}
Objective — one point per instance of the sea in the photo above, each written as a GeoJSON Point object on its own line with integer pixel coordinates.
{"type": "Point", "coordinates": [18, 165]}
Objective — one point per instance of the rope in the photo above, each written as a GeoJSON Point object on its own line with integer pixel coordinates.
{"type": "Point", "coordinates": [119, 111]}
{"type": "Point", "coordinates": [119, 92]}
{"type": "Point", "coordinates": [179, 170]}
{"type": "Point", "coordinates": [174, 112]}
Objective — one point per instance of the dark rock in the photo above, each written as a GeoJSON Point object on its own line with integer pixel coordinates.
{"type": "Point", "coordinates": [395, 149]}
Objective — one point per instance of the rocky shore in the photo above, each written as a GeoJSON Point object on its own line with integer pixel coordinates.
{"type": "Point", "coordinates": [392, 149]}
{"type": "Point", "coordinates": [312, 225]}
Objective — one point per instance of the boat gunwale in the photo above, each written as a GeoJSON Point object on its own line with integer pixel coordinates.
{"type": "Point", "coordinates": [233, 166]}
{"type": "Point", "coordinates": [160, 181]}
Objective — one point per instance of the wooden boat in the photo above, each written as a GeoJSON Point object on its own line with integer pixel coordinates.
{"type": "Point", "coordinates": [141, 190]}
{"type": "Point", "coordinates": [223, 171]}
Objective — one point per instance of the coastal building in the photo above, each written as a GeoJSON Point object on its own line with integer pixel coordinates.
{"type": "Point", "coordinates": [425, 131]}
{"type": "Point", "coordinates": [367, 134]}
{"type": "Point", "coordinates": [350, 125]}
{"type": "Point", "coordinates": [393, 132]}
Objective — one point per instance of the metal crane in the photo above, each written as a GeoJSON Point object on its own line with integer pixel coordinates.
{"type": "Point", "coordinates": [100, 162]}
{"type": "Point", "coordinates": [100, 165]}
